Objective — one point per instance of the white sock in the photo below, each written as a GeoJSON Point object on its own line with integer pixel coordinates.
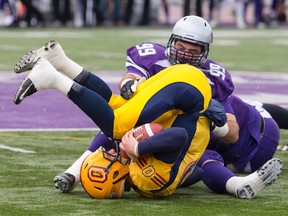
{"type": "Point", "coordinates": [74, 169]}
{"type": "Point", "coordinates": [234, 183]}
{"type": "Point", "coordinates": [45, 76]}
{"type": "Point", "coordinates": [61, 62]}
{"type": "Point", "coordinates": [62, 83]}
{"type": "Point", "coordinates": [68, 67]}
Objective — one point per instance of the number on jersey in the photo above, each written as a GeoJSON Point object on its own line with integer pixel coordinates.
{"type": "Point", "coordinates": [217, 70]}
{"type": "Point", "coordinates": [146, 49]}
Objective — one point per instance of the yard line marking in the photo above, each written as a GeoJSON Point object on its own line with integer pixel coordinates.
{"type": "Point", "coordinates": [16, 149]}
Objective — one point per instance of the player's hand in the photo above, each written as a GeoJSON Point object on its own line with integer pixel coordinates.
{"type": "Point", "coordinates": [216, 113]}
{"type": "Point", "coordinates": [129, 145]}
{"type": "Point", "coordinates": [129, 87]}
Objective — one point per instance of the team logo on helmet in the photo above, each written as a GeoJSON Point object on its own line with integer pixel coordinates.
{"type": "Point", "coordinates": [103, 174]}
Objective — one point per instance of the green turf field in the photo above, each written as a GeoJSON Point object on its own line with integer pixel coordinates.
{"type": "Point", "coordinates": [26, 182]}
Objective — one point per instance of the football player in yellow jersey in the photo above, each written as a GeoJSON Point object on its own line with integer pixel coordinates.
{"type": "Point", "coordinates": [176, 97]}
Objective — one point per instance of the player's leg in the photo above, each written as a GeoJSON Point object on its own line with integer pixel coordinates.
{"type": "Point", "coordinates": [220, 179]}
{"type": "Point", "coordinates": [45, 76]}
{"type": "Point", "coordinates": [215, 175]}
{"type": "Point", "coordinates": [193, 178]}
{"type": "Point", "coordinates": [67, 180]}
{"type": "Point", "coordinates": [53, 52]}
{"type": "Point", "coordinates": [278, 113]}
{"type": "Point", "coordinates": [267, 145]}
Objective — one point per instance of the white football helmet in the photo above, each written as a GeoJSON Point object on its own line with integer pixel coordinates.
{"type": "Point", "coordinates": [103, 174]}
{"type": "Point", "coordinates": [191, 29]}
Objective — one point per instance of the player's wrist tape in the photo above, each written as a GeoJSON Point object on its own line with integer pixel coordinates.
{"type": "Point", "coordinates": [221, 131]}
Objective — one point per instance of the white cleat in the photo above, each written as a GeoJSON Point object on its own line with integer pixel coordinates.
{"type": "Point", "coordinates": [260, 179]}
{"type": "Point", "coordinates": [52, 51]}
{"type": "Point", "coordinates": [42, 76]}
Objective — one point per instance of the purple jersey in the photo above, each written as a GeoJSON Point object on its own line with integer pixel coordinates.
{"type": "Point", "coordinates": [219, 79]}
{"type": "Point", "coordinates": [147, 59]}
{"type": "Point", "coordinates": [254, 123]}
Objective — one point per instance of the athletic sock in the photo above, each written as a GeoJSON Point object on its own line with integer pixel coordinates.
{"type": "Point", "coordinates": [74, 169]}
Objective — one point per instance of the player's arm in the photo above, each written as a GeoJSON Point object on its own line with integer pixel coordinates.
{"type": "Point", "coordinates": [229, 132]}
{"type": "Point", "coordinates": [140, 65]}
{"type": "Point", "coordinates": [233, 133]}
{"type": "Point", "coordinates": [224, 124]}
{"type": "Point", "coordinates": [128, 76]}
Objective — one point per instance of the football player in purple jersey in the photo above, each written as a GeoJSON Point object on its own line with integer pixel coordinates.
{"type": "Point", "coordinates": [189, 43]}
{"type": "Point", "coordinates": [257, 143]}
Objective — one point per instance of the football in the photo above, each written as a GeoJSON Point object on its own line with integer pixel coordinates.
{"type": "Point", "coordinates": [147, 130]}
{"type": "Point", "coordinates": [143, 132]}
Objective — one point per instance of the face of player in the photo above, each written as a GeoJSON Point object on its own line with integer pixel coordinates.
{"type": "Point", "coordinates": [187, 47]}
{"type": "Point", "coordinates": [186, 52]}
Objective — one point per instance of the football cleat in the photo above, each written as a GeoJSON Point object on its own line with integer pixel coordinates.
{"type": "Point", "coordinates": [65, 182]}
{"type": "Point", "coordinates": [26, 62]}
{"type": "Point", "coordinates": [26, 88]}
{"type": "Point", "coordinates": [260, 179]}
{"type": "Point", "coordinates": [52, 51]}
{"type": "Point", "coordinates": [40, 77]}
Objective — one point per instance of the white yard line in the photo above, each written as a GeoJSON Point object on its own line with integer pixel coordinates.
{"type": "Point", "coordinates": [16, 149]}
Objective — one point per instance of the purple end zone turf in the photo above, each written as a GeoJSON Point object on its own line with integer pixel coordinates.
{"type": "Point", "coordinates": [49, 109]}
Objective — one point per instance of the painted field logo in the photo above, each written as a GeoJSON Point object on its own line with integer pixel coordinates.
{"type": "Point", "coordinates": [148, 171]}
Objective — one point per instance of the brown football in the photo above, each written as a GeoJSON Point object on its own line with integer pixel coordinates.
{"type": "Point", "coordinates": [147, 130]}
{"type": "Point", "coordinates": [143, 132]}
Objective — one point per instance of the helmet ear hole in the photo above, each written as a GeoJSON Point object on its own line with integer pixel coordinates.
{"type": "Point", "coordinates": [116, 173]}
{"type": "Point", "coordinates": [85, 166]}
{"type": "Point", "coordinates": [98, 188]}
{"type": "Point", "coordinates": [103, 178]}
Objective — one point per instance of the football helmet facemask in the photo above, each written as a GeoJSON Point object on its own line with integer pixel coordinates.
{"type": "Point", "coordinates": [103, 174]}
{"type": "Point", "coordinates": [191, 29]}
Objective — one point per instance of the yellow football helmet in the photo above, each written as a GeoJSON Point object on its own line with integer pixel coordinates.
{"type": "Point", "coordinates": [103, 174]}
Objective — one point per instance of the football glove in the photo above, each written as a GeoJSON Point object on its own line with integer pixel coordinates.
{"type": "Point", "coordinates": [216, 113]}
{"type": "Point", "coordinates": [129, 87]}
